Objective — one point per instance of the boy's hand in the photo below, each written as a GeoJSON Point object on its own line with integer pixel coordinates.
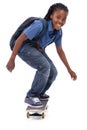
{"type": "Point", "coordinates": [73, 75]}
{"type": "Point", "coordinates": [10, 65]}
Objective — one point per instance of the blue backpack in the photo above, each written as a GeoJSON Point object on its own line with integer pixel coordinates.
{"type": "Point", "coordinates": [24, 25]}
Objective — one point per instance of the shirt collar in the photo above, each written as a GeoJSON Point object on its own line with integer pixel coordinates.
{"type": "Point", "coordinates": [50, 29]}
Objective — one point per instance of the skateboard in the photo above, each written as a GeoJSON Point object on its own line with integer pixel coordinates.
{"type": "Point", "coordinates": [37, 111]}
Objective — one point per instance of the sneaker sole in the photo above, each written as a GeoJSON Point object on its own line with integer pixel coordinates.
{"type": "Point", "coordinates": [42, 99]}
{"type": "Point", "coordinates": [35, 106]}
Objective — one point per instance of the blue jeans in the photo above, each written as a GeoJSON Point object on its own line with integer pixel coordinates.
{"type": "Point", "coordinates": [46, 71]}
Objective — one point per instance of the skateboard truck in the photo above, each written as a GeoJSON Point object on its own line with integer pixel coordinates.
{"type": "Point", "coordinates": [35, 114]}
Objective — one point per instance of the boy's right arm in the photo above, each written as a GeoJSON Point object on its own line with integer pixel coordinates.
{"type": "Point", "coordinates": [11, 63]}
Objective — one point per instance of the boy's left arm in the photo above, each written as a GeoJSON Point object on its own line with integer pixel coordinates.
{"type": "Point", "coordinates": [64, 60]}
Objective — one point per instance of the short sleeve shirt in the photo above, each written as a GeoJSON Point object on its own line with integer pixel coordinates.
{"type": "Point", "coordinates": [49, 37]}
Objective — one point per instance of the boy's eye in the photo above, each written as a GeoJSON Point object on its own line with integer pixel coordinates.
{"type": "Point", "coordinates": [58, 17]}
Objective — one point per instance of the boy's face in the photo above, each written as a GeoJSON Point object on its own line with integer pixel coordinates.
{"type": "Point", "coordinates": [58, 18]}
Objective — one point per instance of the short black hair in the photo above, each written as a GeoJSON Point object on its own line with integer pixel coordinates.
{"type": "Point", "coordinates": [55, 7]}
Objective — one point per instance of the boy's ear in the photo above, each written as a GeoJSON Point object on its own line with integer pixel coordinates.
{"type": "Point", "coordinates": [51, 16]}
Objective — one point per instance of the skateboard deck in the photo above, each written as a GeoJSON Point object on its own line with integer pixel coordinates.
{"type": "Point", "coordinates": [37, 111]}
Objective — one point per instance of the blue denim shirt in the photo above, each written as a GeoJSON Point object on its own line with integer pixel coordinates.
{"type": "Point", "coordinates": [49, 37]}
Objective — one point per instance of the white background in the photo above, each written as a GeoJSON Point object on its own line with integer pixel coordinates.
{"type": "Point", "coordinates": [68, 99]}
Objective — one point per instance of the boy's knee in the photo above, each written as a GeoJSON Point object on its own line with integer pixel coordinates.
{"type": "Point", "coordinates": [45, 69]}
{"type": "Point", "coordinates": [54, 74]}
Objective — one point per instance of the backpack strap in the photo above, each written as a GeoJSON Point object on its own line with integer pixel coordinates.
{"type": "Point", "coordinates": [45, 25]}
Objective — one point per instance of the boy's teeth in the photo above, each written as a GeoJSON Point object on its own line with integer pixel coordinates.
{"type": "Point", "coordinates": [58, 25]}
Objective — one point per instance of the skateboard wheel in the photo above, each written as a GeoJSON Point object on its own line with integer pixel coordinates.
{"type": "Point", "coordinates": [43, 115]}
{"type": "Point", "coordinates": [28, 115]}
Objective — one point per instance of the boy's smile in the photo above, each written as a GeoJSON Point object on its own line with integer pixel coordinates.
{"type": "Point", "coordinates": [58, 18]}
